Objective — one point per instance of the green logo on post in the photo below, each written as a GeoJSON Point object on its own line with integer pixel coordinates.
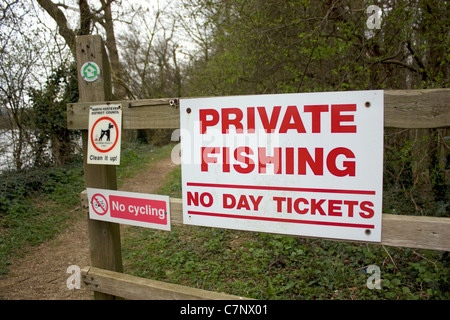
{"type": "Point", "coordinates": [90, 71]}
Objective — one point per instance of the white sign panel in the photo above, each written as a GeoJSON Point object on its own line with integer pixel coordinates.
{"type": "Point", "coordinates": [131, 208]}
{"type": "Point", "coordinates": [306, 164]}
{"type": "Point", "coordinates": [105, 131]}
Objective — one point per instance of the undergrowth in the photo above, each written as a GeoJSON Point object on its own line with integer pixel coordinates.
{"type": "Point", "coordinates": [268, 266]}
{"type": "Point", "coordinates": [37, 203]}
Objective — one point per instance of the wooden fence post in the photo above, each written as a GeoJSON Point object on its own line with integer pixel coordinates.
{"type": "Point", "coordinates": [104, 237]}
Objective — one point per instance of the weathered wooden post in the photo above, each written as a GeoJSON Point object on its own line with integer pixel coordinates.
{"type": "Point", "coordinates": [104, 237]}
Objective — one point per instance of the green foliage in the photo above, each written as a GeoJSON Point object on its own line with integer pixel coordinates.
{"type": "Point", "coordinates": [136, 157]}
{"type": "Point", "coordinates": [16, 186]}
{"type": "Point", "coordinates": [172, 186]}
{"type": "Point", "coordinates": [35, 206]}
{"type": "Point", "coordinates": [37, 203]}
{"type": "Point", "coordinates": [300, 46]}
{"type": "Point", "coordinates": [267, 266]}
{"type": "Point", "coordinates": [48, 116]}
{"type": "Point", "coordinates": [414, 173]}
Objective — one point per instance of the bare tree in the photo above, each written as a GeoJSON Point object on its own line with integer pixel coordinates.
{"type": "Point", "coordinates": [90, 16]}
{"type": "Point", "coordinates": [150, 51]}
{"type": "Point", "coordinates": [19, 52]}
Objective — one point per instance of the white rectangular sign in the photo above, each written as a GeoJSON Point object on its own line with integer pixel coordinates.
{"type": "Point", "coordinates": [306, 164]}
{"type": "Point", "coordinates": [131, 208]}
{"type": "Point", "coordinates": [105, 133]}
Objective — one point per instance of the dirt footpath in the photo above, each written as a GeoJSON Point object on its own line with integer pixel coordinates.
{"type": "Point", "coordinates": [41, 274]}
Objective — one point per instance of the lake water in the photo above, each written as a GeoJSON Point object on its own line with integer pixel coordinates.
{"type": "Point", "coordinates": [7, 147]}
{"type": "Point", "coordinates": [6, 150]}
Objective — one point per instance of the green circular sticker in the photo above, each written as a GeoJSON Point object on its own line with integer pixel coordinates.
{"type": "Point", "coordinates": [90, 71]}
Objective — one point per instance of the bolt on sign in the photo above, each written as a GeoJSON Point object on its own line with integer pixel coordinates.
{"type": "Point", "coordinates": [307, 164]}
{"type": "Point", "coordinates": [131, 208]}
{"type": "Point", "coordinates": [105, 125]}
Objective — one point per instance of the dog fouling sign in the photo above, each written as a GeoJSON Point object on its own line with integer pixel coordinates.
{"type": "Point", "coordinates": [105, 127]}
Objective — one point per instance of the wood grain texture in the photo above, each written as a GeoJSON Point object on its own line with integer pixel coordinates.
{"type": "Point", "coordinates": [416, 232]}
{"type": "Point", "coordinates": [397, 230]}
{"type": "Point", "coordinates": [427, 108]}
{"type": "Point", "coordinates": [104, 237]}
{"type": "Point", "coordinates": [136, 288]}
{"type": "Point", "coordinates": [402, 109]}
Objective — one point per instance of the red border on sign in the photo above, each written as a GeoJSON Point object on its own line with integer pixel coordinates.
{"type": "Point", "coordinates": [92, 135]}
{"type": "Point", "coordinates": [323, 223]}
{"type": "Point", "coordinates": [235, 186]}
{"type": "Point", "coordinates": [93, 207]}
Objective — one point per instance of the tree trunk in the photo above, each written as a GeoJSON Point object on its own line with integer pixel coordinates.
{"type": "Point", "coordinates": [85, 28]}
{"type": "Point", "coordinates": [118, 84]}
{"type": "Point", "coordinates": [60, 19]}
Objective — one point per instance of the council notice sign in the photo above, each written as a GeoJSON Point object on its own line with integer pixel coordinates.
{"type": "Point", "coordinates": [307, 164]}
{"type": "Point", "coordinates": [105, 130]}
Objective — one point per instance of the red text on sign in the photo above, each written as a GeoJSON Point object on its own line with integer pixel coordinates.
{"type": "Point", "coordinates": [283, 160]}
{"type": "Point", "coordinates": [280, 120]}
{"type": "Point", "coordinates": [336, 208]}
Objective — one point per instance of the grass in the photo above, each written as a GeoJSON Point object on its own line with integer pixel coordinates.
{"type": "Point", "coordinates": [136, 157]}
{"type": "Point", "coordinates": [172, 184]}
{"type": "Point", "coordinates": [267, 266]}
{"type": "Point", "coordinates": [37, 204]}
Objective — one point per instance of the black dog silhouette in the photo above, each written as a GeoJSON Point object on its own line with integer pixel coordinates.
{"type": "Point", "coordinates": [106, 132]}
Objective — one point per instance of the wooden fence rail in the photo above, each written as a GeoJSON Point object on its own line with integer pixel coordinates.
{"type": "Point", "coordinates": [136, 288]}
{"type": "Point", "coordinates": [398, 230]}
{"type": "Point", "coordinates": [402, 109]}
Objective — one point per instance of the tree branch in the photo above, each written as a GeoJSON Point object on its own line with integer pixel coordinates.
{"type": "Point", "coordinates": [61, 20]}
{"type": "Point", "coordinates": [422, 68]}
{"type": "Point", "coordinates": [400, 63]}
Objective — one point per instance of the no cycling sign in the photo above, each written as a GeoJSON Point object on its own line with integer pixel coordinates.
{"type": "Point", "coordinates": [105, 123]}
{"type": "Point", "coordinates": [131, 208]}
{"type": "Point", "coordinates": [99, 204]}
